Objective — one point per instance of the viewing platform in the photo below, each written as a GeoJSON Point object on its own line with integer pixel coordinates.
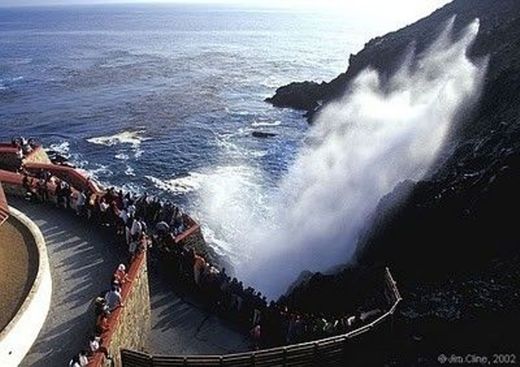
{"type": "Point", "coordinates": [82, 261]}
{"type": "Point", "coordinates": [173, 305]}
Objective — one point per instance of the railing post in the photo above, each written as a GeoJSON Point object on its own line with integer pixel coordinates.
{"type": "Point", "coordinates": [284, 356]}
{"type": "Point", "coordinates": [316, 354]}
{"type": "Point", "coordinates": [221, 359]}
{"type": "Point", "coordinates": [253, 359]}
{"type": "Point", "coordinates": [345, 348]}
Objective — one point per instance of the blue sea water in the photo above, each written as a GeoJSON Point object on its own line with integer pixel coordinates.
{"type": "Point", "coordinates": [151, 98]}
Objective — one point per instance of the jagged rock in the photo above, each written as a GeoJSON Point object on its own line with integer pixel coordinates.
{"type": "Point", "coordinates": [458, 222]}
{"type": "Point", "coordinates": [301, 96]}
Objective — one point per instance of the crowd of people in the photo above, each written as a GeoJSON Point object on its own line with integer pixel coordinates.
{"type": "Point", "coordinates": [24, 146]}
{"type": "Point", "coordinates": [144, 221]}
{"type": "Point", "coordinates": [269, 323]}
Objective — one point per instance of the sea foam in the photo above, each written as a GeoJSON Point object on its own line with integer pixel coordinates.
{"type": "Point", "coordinates": [380, 133]}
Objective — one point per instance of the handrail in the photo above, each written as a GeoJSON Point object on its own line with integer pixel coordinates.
{"type": "Point", "coordinates": [294, 350]}
{"type": "Point", "coordinates": [16, 179]}
{"type": "Point", "coordinates": [194, 228]}
{"type": "Point", "coordinates": [113, 319]}
{"type": "Point", "coordinates": [11, 178]}
{"type": "Point", "coordinates": [69, 174]}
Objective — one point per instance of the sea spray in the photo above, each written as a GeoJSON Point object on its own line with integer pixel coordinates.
{"type": "Point", "coordinates": [361, 146]}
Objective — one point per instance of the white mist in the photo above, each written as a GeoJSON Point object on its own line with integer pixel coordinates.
{"type": "Point", "coordinates": [359, 149]}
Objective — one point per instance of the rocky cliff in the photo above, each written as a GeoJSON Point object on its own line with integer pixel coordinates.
{"type": "Point", "coordinates": [452, 243]}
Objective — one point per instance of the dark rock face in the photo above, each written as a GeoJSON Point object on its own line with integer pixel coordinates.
{"type": "Point", "coordinates": [300, 96]}
{"type": "Point", "coordinates": [453, 243]}
{"type": "Point", "coordinates": [262, 134]}
{"type": "Point", "coordinates": [498, 37]}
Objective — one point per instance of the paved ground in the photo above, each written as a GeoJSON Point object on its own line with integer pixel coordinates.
{"type": "Point", "coordinates": [181, 326]}
{"type": "Point", "coordinates": [82, 260]}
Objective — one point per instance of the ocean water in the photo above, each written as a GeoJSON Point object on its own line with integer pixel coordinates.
{"type": "Point", "coordinates": [164, 99]}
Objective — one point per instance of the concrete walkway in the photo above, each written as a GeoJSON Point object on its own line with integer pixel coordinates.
{"type": "Point", "coordinates": [82, 259]}
{"type": "Point", "coordinates": [180, 326]}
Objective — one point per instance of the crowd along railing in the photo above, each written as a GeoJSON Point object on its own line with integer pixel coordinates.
{"type": "Point", "coordinates": [331, 351]}
{"type": "Point", "coordinates": [114, 318]}
{"type": "Point", "coordinates": [77, 180]}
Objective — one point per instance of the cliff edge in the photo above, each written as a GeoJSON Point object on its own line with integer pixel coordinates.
{"type": "Point", "coordinates": [453, 242]}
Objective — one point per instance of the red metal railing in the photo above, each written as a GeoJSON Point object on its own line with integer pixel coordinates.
{"type": "Point", "coordinates": [68, 174]}
{"type": "Point", "coordinates": [79, 181]}
{"type": "Point", "coordinates": [115, 316]}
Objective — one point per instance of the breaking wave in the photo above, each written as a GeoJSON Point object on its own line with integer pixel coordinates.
{"type": "Point", "coordinates": [133, 138]}
{"type": "Point", "coordinates": [362, 145]}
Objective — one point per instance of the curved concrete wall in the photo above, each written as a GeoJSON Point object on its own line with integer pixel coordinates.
{"type": "Point", "coordinates": [21, 332]}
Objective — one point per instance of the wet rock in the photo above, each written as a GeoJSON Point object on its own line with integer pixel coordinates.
{"type": "Point", "coordinates": [451, 240]}
{"type": "Point", "coordinates": [263, 134]}
{"type": "Point", "coordinates": [301, 96]}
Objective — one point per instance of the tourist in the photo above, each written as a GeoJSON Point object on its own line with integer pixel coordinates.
{"type": "Point", "coordinates": [80, 203]}
{"type": "Point", "coordinates": [19, 153]}
{"type": "Point", "coordinates": [94, 343]}
{"type": "Point", "coordinates": [74, 362]}
{"type": "Point", "coordinates": [257, 306]}
{"type": "Point", "coordinates": [103, 208]}
{"type": "Point", "coordinates": [83, 358]}
{"type": "Point", "coordinates": [131, 208]}
{"type": "Point", "coordinates": [27, 184]}
{"type": "Point", "coordinates": [113, 299]}
{"type": "Point", "coordinates": [136, 230]}
{"type": "Point", "coordinates": [90, 204]}
{"type": "Point", "coordinates": [67, 193]}
{"type": "Point", "coordinates": [120, 274]}
{"type": "Point", "coordinates": [102, 324]}
{"type": "Point", "coordinates": [133, 248]}
{"type": "Point", "coordinates": [162, 229]}
{"type": "Point", "coordinates": [198, 266]}
{"type": "Point", "coordinates": [58, 193]}
{"type": "Point", "coordinates": [100, 305]}
{"type": "Point", "coordinates": [123, 219]}
{"type": "Point", "coordinates": [43, 190]}
{"type": "Point", "coordinates": [256, 335]}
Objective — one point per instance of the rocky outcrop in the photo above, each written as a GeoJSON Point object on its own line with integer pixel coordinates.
{"type": "Point", "coordinates": [452, 241]}
{"type": "Point", "coordinates": [300, 96]}
{"type": "Point", "coordinates": [498, 36]}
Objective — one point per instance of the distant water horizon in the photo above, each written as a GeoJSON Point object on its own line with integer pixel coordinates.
{"type": "Point", "coordinates": [163, 98]}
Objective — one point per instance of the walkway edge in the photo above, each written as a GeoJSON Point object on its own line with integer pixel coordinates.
{"type": "Point", "coordinates": [19, 335]}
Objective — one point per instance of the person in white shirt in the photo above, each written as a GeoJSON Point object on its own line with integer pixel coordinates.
{"type": "Point", "coordinates": [113, 299]}
{"type": "Point", "coordinates": [83, 359]}
{"type": "Point", "coordinates": [131, 210]}
{"type": "Point", "coordinates": [136, 230]}
{"type": "Point", "coordinates": [123, 214]}
{"type": "Point", "coordinates": [74, 362]}
{"type": "Point", "coordinates": [94, 343]}
{"type": "Point", "coordinates": [80, 202]}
